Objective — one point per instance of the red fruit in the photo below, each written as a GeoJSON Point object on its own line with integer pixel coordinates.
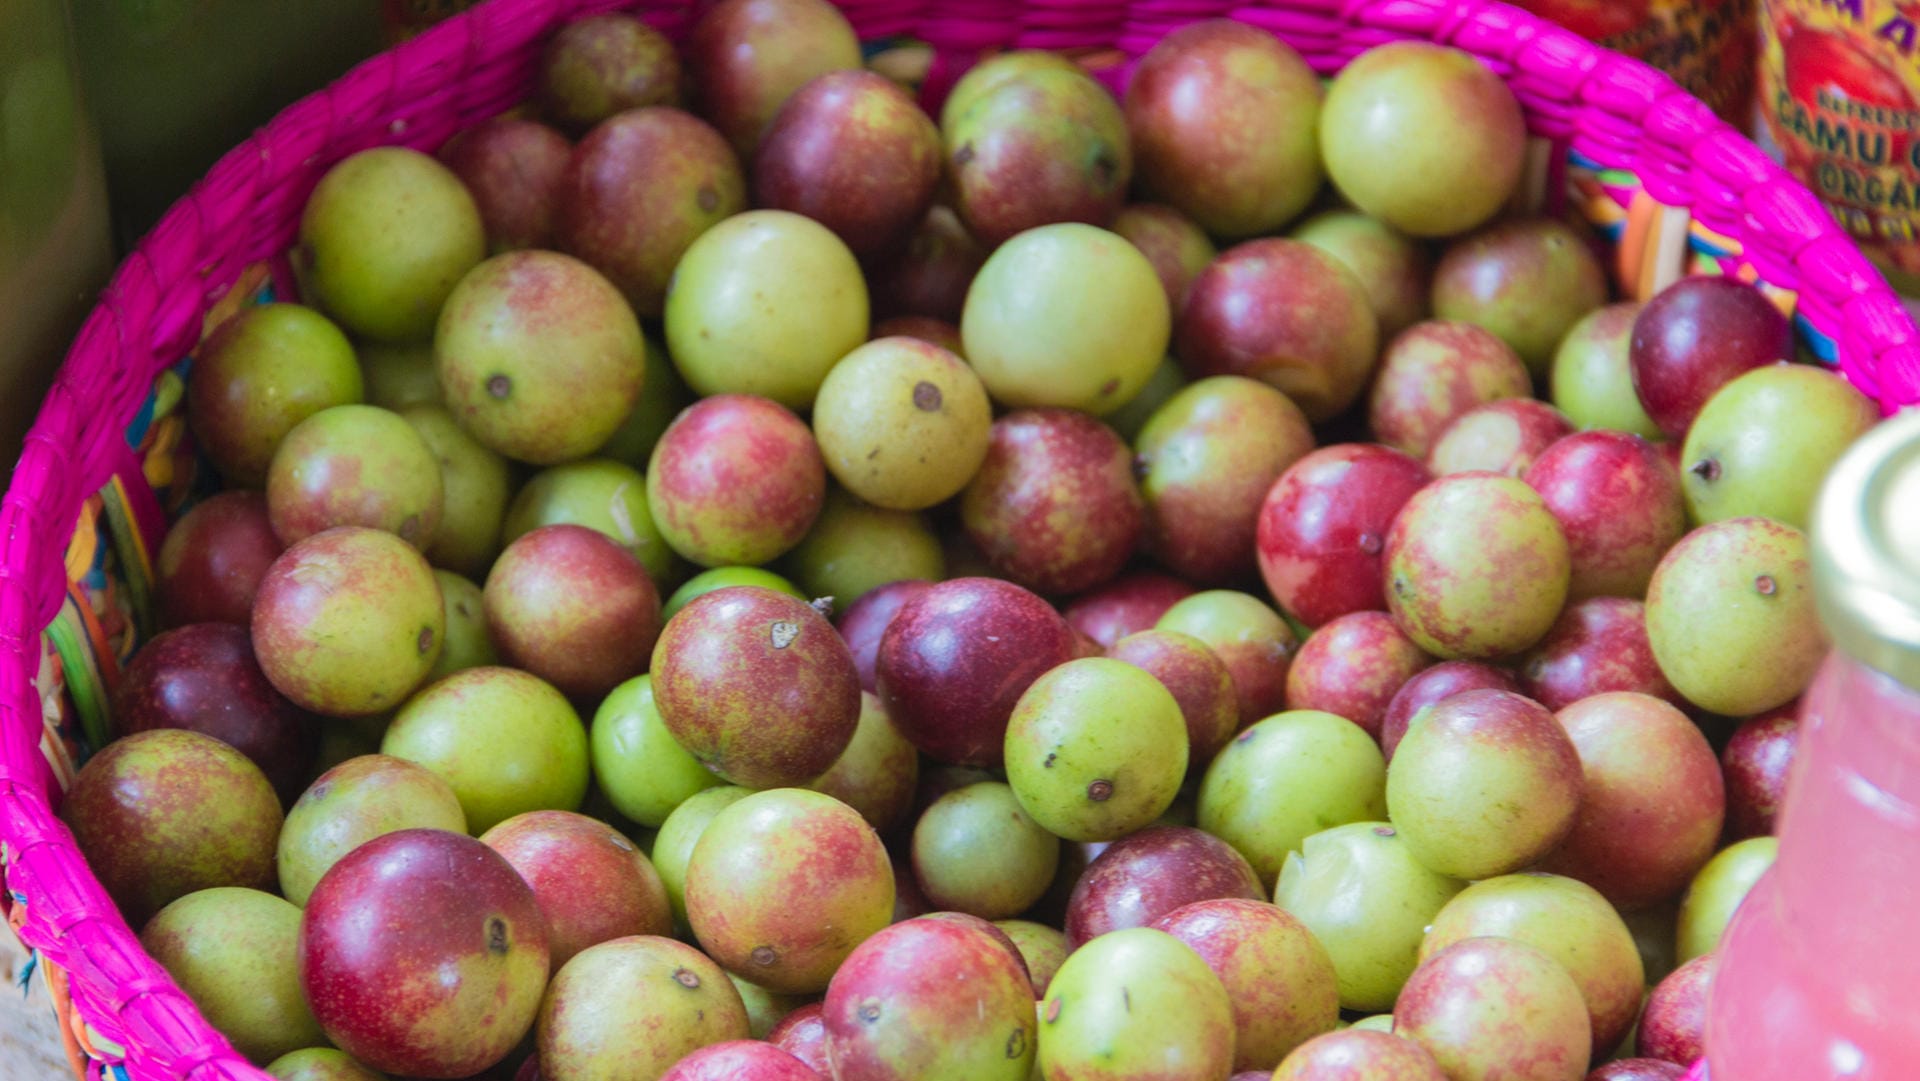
{"type": "Point", "coordinates": [853, 152]}
{"type": "Point", "coordinates": [1432, 373]}
{"type": "Point", "coordinates": [931, 275]}
{"type": "Point", "coordinates": [204, 678]}
{"type": "Point", "coordinates": [956, 658]}
{"type": "Point", "coordinates": [572, 606]}
{"type": "Point", "coordinates": [866, 619]}
{"type": "Point", "coordinates": [1619, 503]}
{"type": "Point", "coordinates": [1638, 1069]}
{"type": "Point", "coordinates": [803, 1033]}
{"type": "Point", "coordinates": [1596, 646]}
{"type": "Point", "coordinates": [1358, 1054]}
{"type": "Point", "coordinates": [1324, 525]}
{"type": "Point", "coordinates": [1054, 506]}
{"type": "Point", "coordinates": [741, 1060]}
{"type": "Point", "coordinates": [1352, 667]}
{"type": "Point", "coordinates": [1834, 64]}
{"type": "Point", "coordinates": [757, 685]}
{"type": "Point", "coordinates": [735, 480]}
{"type": "Point", "coordinates": [385, 927]}
{"type": "Point", "coordinates": [590, 882]}
{"type": "Point", "coordinates": [1694, 338]}
{"type": "Point", "coordinates": [1756, 764]}
{"type": "Point", "coordinates": [1127, 605]}
{"type": "Point", "coordinates": [1198, 680]}
{"type": "Point", "coordinates": [1142, 877]}
{"type": "Point", "coordinates": [924, 327]}
{"type": "Point", "coordinates": [513, 168]}
{"type": "Point", "coordinates": [1597, 20]}
{"type": "Point", "coordinates": [1432, 685]}
{"type": "Point", "coordinates": [747, 57]}
{"type": "Point", "coordinates": [1673, 1026]}
{"type": "Point", "coordinates": [213, 559]}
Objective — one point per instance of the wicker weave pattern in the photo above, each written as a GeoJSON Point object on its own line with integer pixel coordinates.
{"type": "Point", "coordinates": [1612, 109]}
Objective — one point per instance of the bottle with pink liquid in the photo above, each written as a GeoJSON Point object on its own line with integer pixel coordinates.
{"type": "Point", "coordinates": [1817, 970]}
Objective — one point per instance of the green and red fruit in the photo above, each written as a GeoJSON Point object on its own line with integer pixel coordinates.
{"type": "Point", "coordinates": [1716, 892]}
{"type": "Point", "coordinates": [355, 465]}
{"type": "Point", "coordinates": [1499, 437]}
{"type": "Point", "coordinates": [1144, 876]}
{"type": "Point", "coordinates": [862, 623]}
{"type": "Point", "coordinates": [571, 606]}
{"type": "Point", "coordinates": [1619, 504]}
{"type": "Point", "coordinates": [1136, 1004]}
{"type": "Point", "coordinates": [1433, 372]}
{"type": "Point", "coordinates": [590, 882]}
{"type": "Point", "coordinates": [1763, 443]}
{"type": "Point", "coordinates": [976, 851]}
{"type": "Point", "coordinates": [604, 64]}
{"type": "Point", "coordinates": [1178, 249]}
{"type": "Point", "coordinates": [747, 57]}
{"type": "Point", "coordinates": [236, 953]}
{"type": "Point", "coordinates": [1279, 977]}
{"type": "Point", "coordinates": [1443, 680]}
{"type": "Point", "coordinates": [1042, 147]}
{"type": "Point", "coordinates": [1198, 680]}
{"type": "Point", "coordinates": [1693, 338]}
{"type": "Point", "coordinates": [513, 168]}
{"type": "Point", "coordinates": [260, 373]}
{"type": "Point", "coordinates": [735, 480]}
{"type": "Point", "coordinates": [878, 772]}
{"type": "Point", "coordinates": [741, 1060]}
{"type": "Point", "coordinates": [1127, 605]}
{"type": "Point", "coordinates": [1483, 1004]}
{"type": "Point", "coordinates": [1356, 1054]}
{"type": "Point", "coordinates": [633, 1007]}
{"type": "Point", "coordinates": [1756, 763]}
{"type": "Point", "coordinates": [1286, 778]}
{"type": "Point", "coordinates": [1673, 1025]}
{"type": "Point", "coordinates": [1324, 525]}
{"type": "Point", "coordinates": [351, 804]}
{"type": "Point", "coordinates": [1528, 280]}
{"type": "Point", "coordinates": [210, 566]}
{"type": "Point", "coordinates": [1592, 378]}
{"type": "Point", "coordinates": [1352, 667]}
{"type": "Point", "coordinates": [1393, 268]}
{"type": "Point", "coordinates": [1251, 639]}
{"type": "Point", "coordinates": [1598, 645]}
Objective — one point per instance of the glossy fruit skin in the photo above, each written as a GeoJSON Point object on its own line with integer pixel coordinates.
{"type": "Point", "coordinates": [757, 685]}
{"type": "Point", "coordinates": [210, 566]}
{"type": "Point", "coordinates": [1356, 1054]}
{"type": "Point", "coordinates": [930, 274]}
{"type": "Point", "coordinates": [385, 237]}
{"type": "Point", "coordinates": [862, 623]}
{"type": "Point", "coordinates": [1394, 268]}
{"type": "Point", "coordinates": [955, 660]}
{"type": "Point", "coordinates": [1443, 680]}
{"type": "Point", "coordinates": [1484, 783]}
{"type": "Point", "coordinates": [1053, 506]}
{"type": "Point", "coordinates": [1278, 975]}
{"type": "Point", "coordinates": [1476, 567]}
{"type": "Point", "coordinates": [355, 465]}
{"type": "Point", "coordinates": [1142, 877]}
{"type": "Point", "coordinates": [235, 952]}
{"type": "Point", "coordinates": [1324, 526]}
{"type": "Point", "coordinates": [803, 1034]}
{"type": "Point", "coordinates": [1287, 778]}
{"type": "Point", "coordinates": [1433, 372]}
{"type": "Point", "coordinates": [1638, 1069]}
{"type": "Point", "coordinates": [589, 881]}
{"type": "Point", "coordinates": [1285, 313]}
{"type": "Point", "coordinates": [1592, 377]}
{"type": "Point", "coordinates": [975, 851]}
{"type": "Point", "coordinates": [1483, 1003]}
{"type": "Point", "coordinates": [902, 423]}
{"type": "Point", "coordinates": [1619, 504]}
{"type": "Point", "coordinates": [1088, 1026]}
{"type": "Point", "coordinates": [1673, 1024]}
{"type": "Point", "coordinates": [1529, 280]}
{"type": "Point", "coordinates": [1199, 681]}
{"type": "Point", "coordinates": [747, 57]}
{"type": "Point", "coordinates": [604, 64]}
{"type": "Point", "coordinates": [1204, 459]}
{"type": "Point", "coordinates": [1695, 337]}
{"type": "Point", "coordinates": [1392, 105]}
{"type": "Point", "coordinates": [420, 904]}
{"type": "Point", "coordinates": [512, 168]}
{"type": "Point", "coordinates": [1250, 638]}
{"type": "Point", "coordinates": [573, 607]}
{"type": "Point", "coordinates": [1353, 667]}
{"type": "Point", "coordinates": [351, 804]}
{"type": "Point", "coordinates": [878, 772]}
{"type": "Point", "coordinates": [1717, 892]}
{"type": "Point", "coordinates": [1045, 147]}
{"type": "Point", "coordinates": [930, 999]}
{"type": "Point", "coordinates": [1178, 249]}
{"type": "Point", "coordinates": [642, 186]}
{"type": "Point", "coordinates": [260, 373]}
{"type": "Point", "coordinates": [852, 151]}
{"type": "Point", "coordinates": [1042, 947]}
{"type": "Point", "coordinates": [1654, 799]}
{"type": "Point", "coordinates": [539, 356]}
{"type": "Point", "coordinates": [1598, 645]}
{"type": "Point", "coordinates": [633, 1007]}
{"type": "Point", "coordinates": [1757, 761]}
{"type": "Point", "coordinates": [203, 677]}
{"type": "Point", "coordinates": [1224, 123]}
{"type": "Point", "coordinates": [1129, 604]}
{"type": "Point", "coordinates": [783, 885]}
{"type": "Point", "coordinates": [599, 493]}
{"type": "Point", "coordinates": [1499, 437]}
{"type": "Point", "coordinates": [735, 480]}
{"type": "Point", "coordinates": [1066, 315]}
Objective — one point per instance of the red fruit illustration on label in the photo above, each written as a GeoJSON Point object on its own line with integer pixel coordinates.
{"type": "Point", "coordinates": [1594, 19]}
{"type": "Point", "coordinates": [1816, 61]}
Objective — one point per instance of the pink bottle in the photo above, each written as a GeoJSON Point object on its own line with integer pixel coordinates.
{"type": "Point", "coordinates": [1818, 968]}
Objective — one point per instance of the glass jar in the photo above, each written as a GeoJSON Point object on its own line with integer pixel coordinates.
{"type": "Point", "coordinates": [1816, 966]}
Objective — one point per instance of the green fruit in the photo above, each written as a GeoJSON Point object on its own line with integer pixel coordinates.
{"type": "Point", "coordinates": [385, 237]}
{"type": "Point", "coordinates": [638, 766]}
{"type": "Point", "coordinates": [721, 578]}
{"type": "Point", "coordinates": [356, 465]}
{"type": "Point", "coordinates": [475, 485]}
{"type": "Point", "coordinates": [467, 644]}
{"type": "Point", "coordinates": [1528, 280]}
{"type": "Point", "coordinates": [853, 548]}
{"type": "Point", "coordinates": [539, 356]}
{"type": "Point", "coordinates": [1362, 893]}
{"type": "Point", "coordinates": [673, 845]}
{"type": "Point", "coordinates": [1378, 1022]}
{"type": "Point", "coordinates": [1043, 948]}
{"type": "Point", "coordinates": [320, 1064]}
{"type": "Point", "coordinates": [399, 375]}
{"type": "Point", "coordinates": [664, 395]}
{"type": "Point", "coordinates": [1066, 315]}
{"type": "Point", "coordinates": [1568, 921]}
{"type": "Point", "coordinates": [505, 741]}
{"type": "Point", "coordinates": [1137, 1003]}
{"type": "Point", "coordinates": [235, 952]}
{"type": "Point", "coordinates": [976, 851]}
{"type": "Point", "coordinates": [764, 1008]}
{"type": "Point", "coordinates": [1393, 268]}
{"type": "Point", "coordinates": [878, 772]}
{"type": "Point", "coordinates": [262, 372]}
{"type": "Point", "coordinates": [1476, 567]}
{"type": "Point", "coordinates": [1764, 442]}
{"type": "Point", "coordinates": [1167, 380]}
{"type": "Point", "coordinates": [1096, 749]}
{"type": "Point", "coordinates": [351, 804]}
{"type": "Point", "coordinates": [1289, 777]}
{"type": "Point", "coordinates": [765, 303]}
{"type": "Point", "coordinates": [1423, 137]}
{"type": "Point", "coordinates": [601, 494]}
{"type": "Point", "coordinates": [632, 1007]}
{"type": "Point", "coordinates": [784, 884]}
{"type": "Point", "coordinates": [1484, 783]}
{"type": "Point", "coordinates": [1716, 891]}
{"type": "Point", "coordinates": [1591, 378]}
{"type": "Point", "coordinates": [902, 423]}
{"type": "Point", "coordinates": [1730, 616]}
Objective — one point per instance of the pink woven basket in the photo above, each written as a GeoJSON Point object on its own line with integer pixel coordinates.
{"type": "Point", "coordinates": [1602, 107]}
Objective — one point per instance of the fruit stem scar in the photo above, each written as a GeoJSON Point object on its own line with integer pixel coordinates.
{"type": "Point", "coordinates": [870, 1010]}
{"type": "Point", "coordinates": [762, 955]}
{"type": "Point", "coordinates": [1706, 469]}
{"type": "Point", "coordinates": [1100, 791]}
{"type": "Point", "coordinates": [499, 386]}
{"type": "Point", "coordinates": [783, 632]}
{"type": "Point", "coordinates": [426, 639]}
{"type": "Point", "coordinates": [686, 977]}
{"type": "Point", "coordinates": [496, 935]}
{"type": "Point", "coordinates": [1053, 1011]}
{"type": "Point", "coordinates": [1765, 585]}
{"type": "Point", "coordinates": [926, 396]}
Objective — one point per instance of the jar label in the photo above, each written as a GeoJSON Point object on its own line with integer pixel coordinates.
{"type": "Point", "coordinates": [1707, 46]}
{"type": "Point", "coordinates": [1840, 91]}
